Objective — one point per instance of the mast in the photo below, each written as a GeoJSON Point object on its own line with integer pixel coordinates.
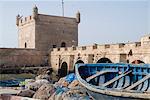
{"type": "Point", "coordinates": [63, 8]}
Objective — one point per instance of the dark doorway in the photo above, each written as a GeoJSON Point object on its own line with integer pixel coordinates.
{"type": "Point", "coordinates": [25, 45]}
{"type": "Point", "coordinates": [79, 62]}
{"type": "Point", "coordinates": [104, 60]}
{"type": "Point", "coordinates": [63, 70]}
{"type": "Point", "coordinates": [63, 44]}
{"type": "Point", "coordinates": [137, 62]}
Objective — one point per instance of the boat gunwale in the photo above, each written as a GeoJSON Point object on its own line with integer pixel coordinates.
{"type": "Point", "coordinates": [116, 64]}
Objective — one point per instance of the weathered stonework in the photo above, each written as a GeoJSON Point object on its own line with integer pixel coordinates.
{"type": "Point", "coordinates": [116, 53]}
{"type": "Point", "coordinates": [45, 31]}
{"type": "Point", "coordinates": [22, 57]}
{"type": "Point", "coordinates": [37, 35]}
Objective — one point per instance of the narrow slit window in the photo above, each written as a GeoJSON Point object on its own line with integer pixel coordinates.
{"type": "Point", "coordinates": [63, 44]}
{"type": "Point", "coordinates": [25, 45]}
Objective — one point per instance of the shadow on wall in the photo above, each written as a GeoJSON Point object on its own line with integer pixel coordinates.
{"type": "Point", "coordinates": [63, 71]}
{"type": "Point", "coordinates": [137, 62]}
{"type": "Point", "coordinates": [78, 62]}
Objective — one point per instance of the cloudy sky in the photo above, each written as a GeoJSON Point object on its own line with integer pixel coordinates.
{"type": "Point", "coordinates": [102, 21]}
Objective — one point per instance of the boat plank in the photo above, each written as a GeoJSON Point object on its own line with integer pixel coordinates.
{"type": "Point", "coordinates": [138, 82]}
{"type": "Point", "coordinates": [99, 73]}
{"type": "Point", "coordinates": [116, 78]}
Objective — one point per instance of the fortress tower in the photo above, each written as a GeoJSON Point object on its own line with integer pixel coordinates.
{"type": "Point", "coordinates": [43, 32]}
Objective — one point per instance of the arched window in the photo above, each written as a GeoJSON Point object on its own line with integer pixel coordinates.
{"type": "Point", "coordinates": [104, 60]}
{"type": "Point", "coordinates": [63, 44]}
{"type": "Point", "coordinates": [25, 45]}
{"type": "Point", "coordinates": [79, 62]}
{"type": "Point", "coordinates": [63, 70]}
{"type": "Point", "coordinates": [137, 62]}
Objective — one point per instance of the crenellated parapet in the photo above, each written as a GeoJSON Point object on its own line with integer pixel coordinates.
{"type": "Point", "coordinates": [118, 46]}
{"type": "Point", "coordinates": [22, 21]}
{"type": "Point", "coordinates": [144, 43]}
{"type": "Point", "coordinates": [35, 12]}
{"type": "Point", "coordinates": [78, 17]}
{"type": "Point", "coordinates": [145, 40]}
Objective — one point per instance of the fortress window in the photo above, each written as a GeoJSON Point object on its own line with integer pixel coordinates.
{"type": "Point", "coordinates": [63, 44]}
{"type": "Point", "coordinates": [54, 46]}
{"type": "Point", "coordinates": [74, 48]}
{"type": "Point", "coordinates": [25, 45]}
{"type": "Point", "coordinates": [107, 46]}
{"type": "Point", "coordinates": [84, 48]}
{"type": "Point", "coordinates": [121, 45]}
{"type": "Point", "coordinates": [25, 19]}
{"type": "Point", "coordinates": [138, 44]}
{"type": "Point", "coordinates": [21, 20]}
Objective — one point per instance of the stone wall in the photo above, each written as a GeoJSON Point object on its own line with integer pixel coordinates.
{"type": "Point", "coordinates": [22, 57]}
{"type": "Point", "coordinates": [52, 31]}
{"type": "Point", "coordinates": [47, 31]}
{"type": "Point", "coordinates": [116, 53]}
{"type": "Point", "coordinates": [26, 32]}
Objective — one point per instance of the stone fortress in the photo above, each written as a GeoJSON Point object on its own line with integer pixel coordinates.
{"type": "Point", "coordinates": [38, 34]}
{"type": "Point", "coordinates": [44, 32]}
{"type": "Point", "coordinates": [46, 40]}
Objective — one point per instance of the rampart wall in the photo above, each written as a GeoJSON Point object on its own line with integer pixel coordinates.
{"type": "Point", "coordinates": [22, 57]}
{"type": "Point", "coordinates": [116, 53]}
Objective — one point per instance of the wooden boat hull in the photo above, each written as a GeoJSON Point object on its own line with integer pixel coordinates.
{"type": "Point", "coordinates": [99, 96]}
{"type": "Point", "coordinates": [109, 90]}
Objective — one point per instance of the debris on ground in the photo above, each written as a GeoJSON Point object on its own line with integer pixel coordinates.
{"type": "Point", "coordinates": [26, 93]}
{"type": "Point", "coordinates": [66, 88]}
{"type": "Point", "coordinates": [44, 92]}
{"type": "Point", "coordinates": [36, 85]}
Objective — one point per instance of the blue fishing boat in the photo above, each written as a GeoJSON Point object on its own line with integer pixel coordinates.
{"type": "Point", "coordinates": [109, 81]}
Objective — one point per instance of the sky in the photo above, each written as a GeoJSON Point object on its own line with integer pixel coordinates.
{"type": "Point", "coordinates": [102, 21]}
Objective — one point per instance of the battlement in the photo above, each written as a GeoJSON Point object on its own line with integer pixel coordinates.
{"type": "Point", "coordinates": [145, 40]}
{"type": "Point", "coordinates": [21, 21]}
{"type": "Point", "coordinates": [144, 43]}
{"type": "Point", "coordinates": [25, 20]}
{"type": "Point", "coordinates": [46, 19]}
{"type": "Point", "coordinates": [133, 45]}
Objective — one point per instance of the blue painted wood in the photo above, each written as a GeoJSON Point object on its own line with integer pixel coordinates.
{"type": "Point", "coordinates": [138, 72]}
{"type": "Point", "coordinates": [120, 83]}
{"type": "Point", "coordinates": [148, 86]}
{"type": "Point", "coordinates": [102, 79]}
{"type": "Point", "coordinates": [145, 86]}
{"type": "Point", "coordinates": [137, 81]}
{"type": "Point", "coordinates": [127, 82]}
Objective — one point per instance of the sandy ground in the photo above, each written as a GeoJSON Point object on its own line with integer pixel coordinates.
{"type": "Point", "coordinates": [8, 94]}
{"type": "Point", "coordinates": [9, 91]}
